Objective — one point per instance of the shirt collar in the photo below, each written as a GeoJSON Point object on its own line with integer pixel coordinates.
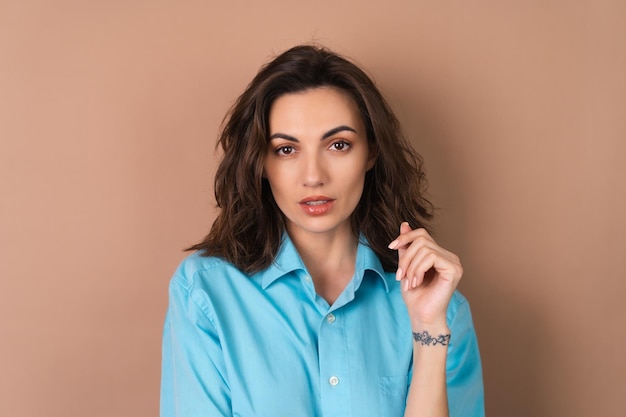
{"type": "Point", "coordinates": [288, 260]}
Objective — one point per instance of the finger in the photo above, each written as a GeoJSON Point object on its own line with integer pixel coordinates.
{"type": "Point", "coordinates": [426, 266]}
{"type": "Point", "coordinates": [407, 235]}
{"type": "Point", "coordinates": [403, 238]}
{"type": "Point", "coordinates": [444, 269]}
{"type": "Point", "coordinates": [411, 252]}
{"type": "Point", "coordinates": [423, 261]}
{"type": "Point", "coordinates": [404, 229]}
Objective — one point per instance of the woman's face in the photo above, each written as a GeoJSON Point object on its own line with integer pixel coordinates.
{"type": "Point", "coordinates": [316, 160]}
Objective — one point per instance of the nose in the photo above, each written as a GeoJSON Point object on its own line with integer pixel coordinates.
{"type": "Point", "coordinates": [314, 171]}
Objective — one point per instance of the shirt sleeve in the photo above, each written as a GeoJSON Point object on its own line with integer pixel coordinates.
{"type": "Point", "coordinates": [463, 366]}
{"type": "Point", "coordinates": [193, 377]}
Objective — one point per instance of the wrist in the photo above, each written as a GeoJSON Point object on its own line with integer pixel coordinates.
{"type": "Point", "coordinates": [426, 338]}
{"type": "Point", "coordinates": [431, 333]}
{"type": "Point", "coordinates": [433, 326]}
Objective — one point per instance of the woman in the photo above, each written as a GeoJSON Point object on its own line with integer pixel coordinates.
{"type": "Point", "coordinates": [291, 304]}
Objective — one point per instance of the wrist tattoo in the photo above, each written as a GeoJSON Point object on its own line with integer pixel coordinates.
{"type": "Point", "coordinates": [426, 339]}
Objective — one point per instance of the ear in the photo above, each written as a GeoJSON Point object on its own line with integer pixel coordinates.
{"type": "Point", "coordinates": [373, 155]}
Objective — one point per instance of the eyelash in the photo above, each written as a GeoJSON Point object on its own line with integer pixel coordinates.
{"type": "Point", "coordinates": [280, 150]}
{"type": "Point", "coordinates": [346, 145]}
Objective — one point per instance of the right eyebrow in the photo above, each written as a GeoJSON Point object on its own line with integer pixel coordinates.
{"type": "Point", "coordinates": [283, 136]}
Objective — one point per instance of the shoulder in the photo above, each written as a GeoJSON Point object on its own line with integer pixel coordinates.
{"type": "Point", "coordinates": [457, 301]}
{"type": "Point", "coordinates": [201, 282]}
{"type": "Point", "coordinates": [197, 270]}
{"type": "Point", "coordinates": [458, 307]}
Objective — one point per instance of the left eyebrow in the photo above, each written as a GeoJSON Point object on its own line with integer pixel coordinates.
{"type": "Point", "coordinates": [336, 130]}
{"type": "Point", "coordinates": [326, 135]}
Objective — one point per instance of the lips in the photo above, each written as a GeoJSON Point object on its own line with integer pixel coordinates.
{"type": "Point", "coordinates": [314, 200]}
{"type": "Point", "coordinates": [316, 205]}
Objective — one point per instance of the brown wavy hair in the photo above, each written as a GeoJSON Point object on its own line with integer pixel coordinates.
{"type": "Point", "coordinates": [249, 227]}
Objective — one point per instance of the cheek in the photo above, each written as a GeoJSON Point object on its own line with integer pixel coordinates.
{"type": "Point", "coordinates": [354, 173]}
{"type": "Point", "coordinates": [269, 172]}
{"type": "Point", "coordinates": [277, 182]}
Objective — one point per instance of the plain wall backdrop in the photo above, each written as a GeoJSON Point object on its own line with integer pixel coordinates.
{"type": "Point", "coordinates": [109, 111]}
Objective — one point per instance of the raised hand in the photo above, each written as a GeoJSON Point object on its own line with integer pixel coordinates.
{"type": "Point", "coordinates": [429, 275]}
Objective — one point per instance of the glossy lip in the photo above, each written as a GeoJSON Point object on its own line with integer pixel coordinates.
{"type": "Point", "coordinates": [315, 198]}
{"type": "Point", "coordinates": [321, 206]}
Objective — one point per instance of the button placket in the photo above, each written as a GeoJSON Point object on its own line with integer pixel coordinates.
{"type": "Point", "coordinates": [333, 365]}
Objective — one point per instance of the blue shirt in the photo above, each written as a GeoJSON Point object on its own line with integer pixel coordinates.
{"type": "Point", "coordinates": [268, 345]}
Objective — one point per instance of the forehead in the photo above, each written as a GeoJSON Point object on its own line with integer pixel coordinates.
{"type": "Point", "coordinates": [322, 108]}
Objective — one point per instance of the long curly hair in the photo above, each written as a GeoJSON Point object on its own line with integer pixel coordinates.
{"type": "Point", "coordinates": [249, 227]}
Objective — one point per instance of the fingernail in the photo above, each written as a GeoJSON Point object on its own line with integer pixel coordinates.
{"type": "Point", "coordinates": [399, 274]}
{"type": "Point", "coordinates": [406, 284]}
{"type": "Point", "coordinates": [393, 244]}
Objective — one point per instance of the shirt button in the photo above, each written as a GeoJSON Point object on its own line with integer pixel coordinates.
{"type": "Point", "coordinates": [331, 318]}
{"type": "Point", "coordinates": [307, 278]}
{"type": "Point", "coordinates": [333, 380]}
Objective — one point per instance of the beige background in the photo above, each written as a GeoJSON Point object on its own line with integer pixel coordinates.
{"type": "Point", "coordinates": [108, 117]}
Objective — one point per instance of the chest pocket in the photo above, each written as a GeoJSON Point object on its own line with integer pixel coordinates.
{"type": "Point", "coordinates": [392, 395]}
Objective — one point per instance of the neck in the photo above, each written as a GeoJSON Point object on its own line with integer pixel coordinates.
{"type": "Point", "coordinates": [329, 257]}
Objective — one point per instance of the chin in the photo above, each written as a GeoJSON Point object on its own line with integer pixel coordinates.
{"type": "Point", "coordinates": [318, 226]}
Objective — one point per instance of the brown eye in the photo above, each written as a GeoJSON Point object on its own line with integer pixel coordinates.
{"type": "Point", "coordinates": [340, 146]}
{"type": "Point", "coordinates": [284, 150]}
